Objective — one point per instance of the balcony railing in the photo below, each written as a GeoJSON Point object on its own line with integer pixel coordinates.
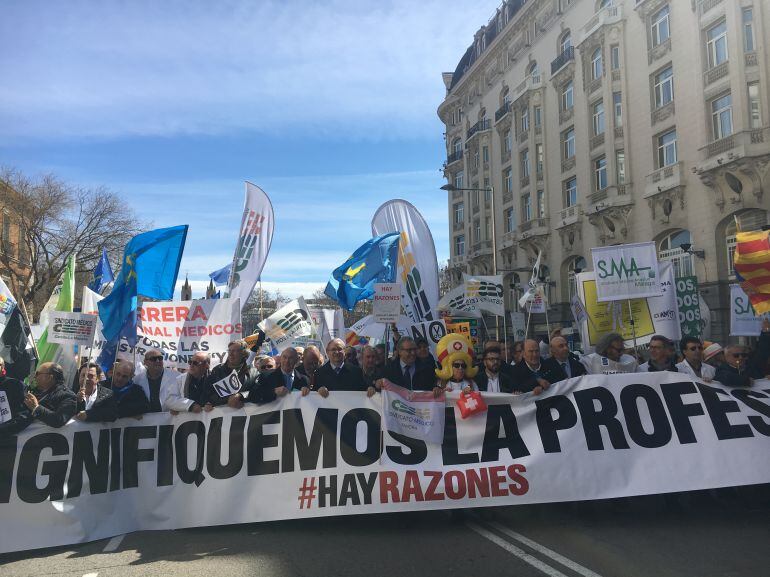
{"type": "Point", "coordinates": [502, 111]}
{"type": "Point", "coordinates": [717, 72]}
{"type": "Point", "coordinates": [706, 5]}
{"type": "Point", "coordinates": [663, 179]}
{"type": "Point", "coordinates": [534, 226]}
{"type": "Point", "coordinates": [569, 215]}
{"type": "Point", "coordinates": [750, 59]}
{"type": "Point", "coordinates": [480, 126]}
{"type": "Point", "coordinates": [454, 157]}
{"type": "Point", "coordinates": [597, 140]}
{"type": "Point", "coordinates": [737, 145]}
{"type": "Point", "coordinates": [561, 60]}
{"type": "Point", "coordinates": [607, 15]}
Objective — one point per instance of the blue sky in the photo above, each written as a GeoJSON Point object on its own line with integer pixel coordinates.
{"type": "Point", "coordinates": [330, 107]}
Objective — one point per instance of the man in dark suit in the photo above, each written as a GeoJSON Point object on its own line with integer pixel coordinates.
{"type": "Point", "coordinates": [90, 392]}
{"type": "Point", "coordinates": [406, 372]}
{"type": "Point", "coordinates": [528, 375]}
{"type": "Point", "coordinates": [280, 382]}
{"type": "Point", "coordinates": [561, 364]}
{"type": "Point", "coordinates": [52, 402]}
{"type": "Point", "coordinates": [490, 378]}
{"type": "Point", "coordinates": [336, 374]}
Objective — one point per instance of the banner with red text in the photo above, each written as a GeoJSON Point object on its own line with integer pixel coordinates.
{"type": "Point", "coordinates": [586, 438]}
{"type": "Point", "coordinates": [179, 329]}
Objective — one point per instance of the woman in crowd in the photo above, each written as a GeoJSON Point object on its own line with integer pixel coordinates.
{"type": "Point", "coordinates": [455, 355]}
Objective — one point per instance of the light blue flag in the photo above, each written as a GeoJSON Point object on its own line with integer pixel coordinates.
{"type": "Point", "coordinates": [375, 261]}
{"type": "Point", "coordinates": [150, 268]}
{"type": "Point", "coordinates": [102, 274]}
{"type": "Point", "coordinates": [222, 275]}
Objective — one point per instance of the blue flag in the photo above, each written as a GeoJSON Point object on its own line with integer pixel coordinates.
{"type": "Point", "coordinates": [375, 261]}
{"type": "Point", "coordinates": [222, 275]}
{"type": "Point", "coordinates": [102, 274]}
{"type": "Point", "coordinates": [150, 267]}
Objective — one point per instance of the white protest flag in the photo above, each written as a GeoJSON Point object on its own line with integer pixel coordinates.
{"type": "Point", "coordinates": [290, 321]}
{"type": "Point", "coordinates": [253, 246]}
{"type": "Point", "coordinates": [455, 302]}
{"type": "Point", "coordinates": [578, 309]}
{"type": "Point", "coordinates": [89, 305]}
{"type": "Point", "coordinates": [329, 324]}
{"type": "Point", "coordinates": [531, 293]}
{"type": "Point", "coordinates": [626, 271]}
{"type": "Point", "coordinates": [415, 414]}
{"type": "Point", "coordinates": [744, 322]}
{"type": "Point", "coordinates": [417, 264]}
{"type": "Point", "coordinates": [486, 292]}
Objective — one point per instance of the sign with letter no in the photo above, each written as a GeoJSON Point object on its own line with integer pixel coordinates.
{"type": "Point", "coordinates": [386, 307]}
{"type": "Point", "coordinates": [431, 331]}
{"type": "Point", "coordinates": [688, 303]}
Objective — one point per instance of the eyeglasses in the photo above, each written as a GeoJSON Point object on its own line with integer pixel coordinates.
{"type": "Point", "coordinates": [153, 359]}
{"type": "Point", "coordinates": [459, 365]}
{"type": "Point", "coordinates": [199, 363]}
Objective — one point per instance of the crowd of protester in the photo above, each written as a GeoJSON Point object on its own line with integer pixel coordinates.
{"type": "Point", "coordinates": [131, 390]}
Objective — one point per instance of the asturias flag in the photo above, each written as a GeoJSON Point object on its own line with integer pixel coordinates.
{"type": "Point", "coordinates": [375, 261]}
{"type": "Point", "coordinates": [752, 267]}
{"type": "Point", "coordinates": [102, 274]}
{"type": "Point", "coordinates": [150, 268]}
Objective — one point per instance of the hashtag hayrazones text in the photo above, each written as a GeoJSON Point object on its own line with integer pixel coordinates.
{"type": "Point", "coordinates": [307, 493]}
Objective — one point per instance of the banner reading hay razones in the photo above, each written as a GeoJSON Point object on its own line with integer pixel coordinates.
{"type": "Point", "coordinates": [417, 264]}
{"type": "Point", "coordinates": [587, 438]}
{"type": "Point", "coordinates": [179, 329]}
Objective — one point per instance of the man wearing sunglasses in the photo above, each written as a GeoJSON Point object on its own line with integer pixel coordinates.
{"type": "Point", "coordinates": [740, 369]}
{"type": "Point", "coordinates": [187, 393]}
{"type": "Point", "coordinates": [406, 372]}
{"type": "Point", "coordinates": [152, 377]}
{"type": "Point", "coordinates": [693, 365]}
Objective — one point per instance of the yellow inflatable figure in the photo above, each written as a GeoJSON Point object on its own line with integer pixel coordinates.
{"type": "Point", "coordinates": [451, 348]}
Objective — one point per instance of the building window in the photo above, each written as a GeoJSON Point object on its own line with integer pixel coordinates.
{"type": "Point", "coordinates": [667, 148]}
{"type": "Point", "coordinates": [663, 86]}
{"type": "Point", "coordinates": [525, 164]}
{"type": "Point", "coordinates": [539, 159]}
{"type": "Point", "coordinates": [748, 30]}
{"type": "Point", "coordinates": [540, 204]}
{"type": "Point", "coordinates": [600, 173]}
{"type": "Point", "coordinates": [575, 267]}
{"type": "Point", "coordinates": [459, 179]}
{"type": "Point", "coordinates": [508, 180]}
{"type": "Point", "coordinates": [475, 159]}
{"type": "Point", "coordinates": [477, 231]}
{"type": "Point", "coordinates": [565, 42]}
{"type": "Point", "coordinates": [457, 146]}
{"type": "Point", "coordinates": [534, 72]}
{"type": "Point", "coordinates": [567, 96]}
{"type": "Point", "coordinates": [459, 212]}
{"type": "Point", "coordinates": [570, 192]}
{"type": "Point", "coordinates": [526, 207]}
{"type": "Point", "coordinates": [568, 143]}
{"type": "Point", "coordinates": [487, 194]}
{"type": "Point", "coordinates": [507, 141]}
{"type": "Point", "coordinates": [617, 107]}
{"type": "Point", "coordinates": [487, 228]}
{"type": "Point", "coordinates": [538, 116]}
{"type": "Point", "coordinates": [460, 245]}
{"type": "Point", "coordinates": [716, 44]}
{"type": "Point", "coordinates": [475, 194]}
{"type": "Point", "coordinates": [596, 64]}
{"type": "Point", "coordinates": [722, 116]}
{"type": "Point", "coordinates": [485, 154]}
{"type": "Point", "coordinates": [597, 116]}
{"type": "Point", "coordinates": [615, 57]}
{"type": "Point", "coordinates": [620, 166]}
{"type": "Point", "coordinates": [670, 249]}
{"type": "Point", "coordinates": [659, 26]}
{"type": "Point", "coordinates": [510, 220]}
{"type": "Point", "coordinates": [755, 109]}
{"type": "Point", "coordinates": [525, 119]}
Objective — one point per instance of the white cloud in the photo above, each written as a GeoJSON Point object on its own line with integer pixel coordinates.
{"type": "Point", "coordinates": [287, 289]}
{"type": "Point", "coordinates": [108, 69]}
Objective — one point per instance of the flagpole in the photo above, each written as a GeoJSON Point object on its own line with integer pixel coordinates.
{"type": "Point", "coordinates": [633, 325]}
{"type": "Point", "coordinates": [526, 329]}
{"type": "Point", "coordinates": [545, 302]}
{"type": "Point", "coordinates": [29, 324]}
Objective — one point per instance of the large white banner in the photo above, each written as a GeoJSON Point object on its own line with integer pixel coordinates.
{"type": "Point", "coordinates": [744, 322]}
{"type": "Point", "coordinates": [651, 316]}
{"type": "Point", "coordinates": [607, 436]}
{"type": "Point", "coordinates": [486, 292]}
{"type": "Point", "coordinates": [287, 323]}
{"type": "Point", "coordinates": [455, 302]}
{"type": "Point", "coordinates": [417, 264]}
{"type": "Point", "coordinates": [254, 240]}
{"type": "Point", "coordinates": [90, 306]}
{"type": "Point", "coordinates": [626, 271]}
{"type": "Point", "coordinates": [179, 329]}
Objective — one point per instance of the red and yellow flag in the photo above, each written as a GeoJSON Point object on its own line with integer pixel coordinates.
{"type": "Point", "coordinates": [752, 267]}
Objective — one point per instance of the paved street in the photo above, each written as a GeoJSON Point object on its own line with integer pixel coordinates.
{"type": "Point", "coordinates": [641, 537]}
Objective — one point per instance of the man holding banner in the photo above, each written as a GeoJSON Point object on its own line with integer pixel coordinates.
{"type": "Point", "coordinates": [337, 375]}
{"type": "Point", "coordinates": [281, 382]}
{"type": "Point", "coordinates": [237, 356]}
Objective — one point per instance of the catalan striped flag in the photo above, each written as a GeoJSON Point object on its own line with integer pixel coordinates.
{"type": "Point", "coordinates": [752, 267]}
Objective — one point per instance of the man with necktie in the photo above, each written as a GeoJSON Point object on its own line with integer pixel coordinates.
{"type": "Point", "coordinates": [528, 375]}
{"type": "Point", "coordinates": [406, 372]}
{"type": "Point", "coordinates": [562, 364]}
{"type": "Point", "coordinates": [337, 375]}
{"type": "Point", "coordinates": [280, 382]}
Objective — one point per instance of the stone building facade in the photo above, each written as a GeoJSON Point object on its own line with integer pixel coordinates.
{"type": "Point", "coordinates": [589, 123]}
